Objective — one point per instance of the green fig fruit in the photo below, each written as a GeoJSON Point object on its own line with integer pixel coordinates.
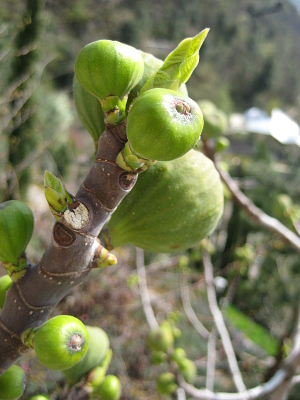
{"type": "Point", "coordinates": [163, 124]}
{"type": "Point", "coordinates": [178, 354]}
{"type": "Point", "coordinates": [97, 374]}
{"type": "Point", "coordinates": [160, 339]}
{"type": "Point", "coordinates": [166, 383]}
{"type": "Point", "coordinates": [176, 333]}
{"type": "Point", "coordinates": [222, 143]}
{"type": "Point", "coordinates": [215, 120]}
{"type": "Point", "coordinates": [109, 70]}
{"type": "Point", "coordinates": [187, 368]}
{"type": "Point", "coordinates": [97, 350]}
{"type": "Point", "coordinates": [5, 284]}
{"type": "Point", "coordinates": [39, 397]}
{"type": "Point", "coordinates": [110, 388]}
{"type": "Point", "coordinates": [172, 207]}
{"type": "Point", "coordinates": [157, 357]}
{"type": "Point", "coordinates": [16, 227]}
{"type": "Point", "coordinates": [89, 111]}
{"type": "Point", "coordinates": [12, 383]}
{"type": "Point", "coordinates": [151, 65]}
{"type": "Point", "coordinates": [61, 342]}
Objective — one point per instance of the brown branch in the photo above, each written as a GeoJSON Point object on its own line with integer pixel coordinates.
{"type": "Point", "coordinates": [66, 262]}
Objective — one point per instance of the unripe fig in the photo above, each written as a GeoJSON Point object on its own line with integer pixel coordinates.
{"type": "Point", "coordinates": [151, 65]}
{"type": "Point", "coordinates": [39, 397]}
{"type": "Point", "coordinates": [178, 354]}
{"type": "Point", "coordinates": [215, 120]}
{"type": "Point", "coordinates": [5, 284]}
{"type": "Point", "coordinates": [97, 374]}
{"type": "Point", "coordinates": [172, 207]}
{"type": "Point", "coordinates": [89, 111]}
{"type": "Point", "coordinates": [166, 383]}
{"type": "Point", "coordinates": [176, 333]}
{"type": "Point", "coordinates": [97, 350]}
{"type": "Point", "coordinates": [163, 124]}
{"type": "Point", "coordinates": [110, 388]}
{"type": "Point", "coordinates": [160, 339]}
{"type": "Point", "coordinates": [157, 357]}
{"type": "Point", "coordinates": [12, 383]}
{"type": "Point", "coordinates": [61, 342]}
{"type": "Point", "coordinates": [16, 227]}
{"type": "Point", "coordinates": [222, 143]}
{"type": "Point", "coordinates": [109, 70]}
{"type": "Point", "coordinates": [187, 368]}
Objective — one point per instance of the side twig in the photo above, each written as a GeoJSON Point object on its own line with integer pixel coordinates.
{"type": "Point", "coordinates": [140, 265]}
{"type": "Point", "coordinates": [220, 324]}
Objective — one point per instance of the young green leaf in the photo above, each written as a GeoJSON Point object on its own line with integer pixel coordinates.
{"type": "Point", "coordinates": [179, 64]}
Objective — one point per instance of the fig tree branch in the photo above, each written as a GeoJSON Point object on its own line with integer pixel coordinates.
{"type": "Point", "coordinates": [72, 252]}
{"type": "Point", "coordinates": [255, 214]}
{"type": "Point", "coordinates": [200, 328]}
{"type": "Point", "coordinates": [153, 324]}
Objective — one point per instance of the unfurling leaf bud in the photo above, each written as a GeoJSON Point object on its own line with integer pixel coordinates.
{"type": "Point", "coordinates": [109, 70]}
{"type": "Point", "coordinates": [59, 343]}
{"type": "Point", "coordinates": [179, 64]}
{"type": "Point", "coordinates": [56, 195]}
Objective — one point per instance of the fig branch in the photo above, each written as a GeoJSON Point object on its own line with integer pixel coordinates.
{"type": "Point", "coordinates": [254, 213]}
{"type": "Point", "coordinates": [70, 256]}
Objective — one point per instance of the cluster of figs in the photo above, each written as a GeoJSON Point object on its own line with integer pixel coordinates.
{"type": "Point", "coordinates": [176, 202]}
{"type": "Point", "coordinates": [161, 342]}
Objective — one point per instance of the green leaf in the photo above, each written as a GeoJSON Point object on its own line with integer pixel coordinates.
{"type": "Point", "coordinates": [178, 65]}
{"type": "Point", "coordinates": [53, 182]}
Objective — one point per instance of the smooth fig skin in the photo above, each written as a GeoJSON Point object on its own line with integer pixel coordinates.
{"type": "Point", "coordinates": [215, 120]}
{"type": "Point", "coordinates": [97, 350]}
{"type": "Point", "coordinates": [89, 111]}
{"type": "Point", "coordinates": [109, 69]}
{"type": "Point", "coordinates": [5, 284]}
{"type": "Point", "coordinates": [160, 339]}
{"type": "Point", "coordinates": [172, 207]}
{"type": "Point", "coordinates": [166, 383]}
{"type": "Point", "coordinates": [12, 383]}
{"type": "Point", "coordinates": [110, 388]}
{"type": "Point", "coordinates": [163, 124]}
{"type": "Point", "coordinates": [61, 342]}
{"type": "Point", "coordinates": [16, 228]}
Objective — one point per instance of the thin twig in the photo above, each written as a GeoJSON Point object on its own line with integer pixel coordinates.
{"type": "Point", "coordinates": [140, 265]}
{"type": "Point", "coordinates": [220, 324]}
{"type": "Point", "coordinates": [211, 360]}
{"type": "Point", "coordinates": [191, 313]}
{"type": "Point", "coordinates": [255, 213]}
{"type": "Point", "coordinates": [181, 394]}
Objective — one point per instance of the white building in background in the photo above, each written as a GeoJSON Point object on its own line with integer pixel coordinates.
{"type": "Point", "coordinates": [279, 125]}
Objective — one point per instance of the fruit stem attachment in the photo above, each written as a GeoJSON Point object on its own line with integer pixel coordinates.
{"type": "Point", "coordinates": [131, 162]}
{"type": "Point", "coordinates": [17, 271]}
{"type": "Point", "coordinates": [114, 109]}
{"type": "Point", "coordinates": [28, 336]}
